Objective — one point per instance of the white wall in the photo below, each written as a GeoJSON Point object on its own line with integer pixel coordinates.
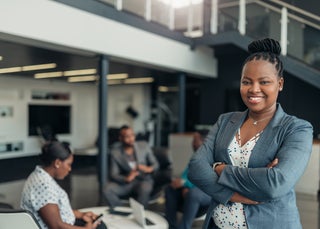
{"type": "Point", "coordinates": [16, 92]}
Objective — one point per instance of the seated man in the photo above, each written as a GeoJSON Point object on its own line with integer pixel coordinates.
{"type": "Point", "coordinates": [131, 166]}
{"type": "Point", "coordinates": [182, 195]}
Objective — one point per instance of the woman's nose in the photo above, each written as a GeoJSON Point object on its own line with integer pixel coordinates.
{"type": "Point", "coordinates": [255, 87]}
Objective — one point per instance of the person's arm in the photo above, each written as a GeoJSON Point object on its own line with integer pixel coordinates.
{"type": "Point", "coordinates": [201, 172]}
{"type": "Point", "coordinates": [236, 197]}
{"type": "Point", "coordinates": [51, 216]}
{"type": "Point", "coordinates": [151, 161]}
{"type": "Point", "coordinates": [263, 184]}
{"type": "Point", "coordinates": [115, 174]}
{"type": "Point", "coordinates": [185, 181]}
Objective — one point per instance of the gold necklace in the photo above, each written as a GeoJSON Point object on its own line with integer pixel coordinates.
{"type": "Point", "coordinates": [255, 122]}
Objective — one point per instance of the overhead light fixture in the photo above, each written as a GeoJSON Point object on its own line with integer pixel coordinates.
{"type": "Point", "coordinates": [27, 68]}
{"type": "Point", "coordinates": [138, 80]}
{"type": "Point", "coordinates": [181, 3]}
{"type": "Point", "coordinates": [48, 75]}
{"type": "Point", "coordinates": [118, 76]}
{"type": "Point", "coordinates": [75, 79]}
{"type": "Point", "coordinates": [194, 33]}
{"type": "Point", "coordinates": [80, 72]}
{"type": "Point", "coordinates": [38, 67]}
{"type": "Point", "coordinates": [114, 82]}
{"type": "Point", "coordinates": [10, 70]}
{"type": "Point", "coordinates": [168, 89]}
{"type": "Point", "coordinates": [1, 58]}
{"type": "Point", "coordinates": [163, 89]}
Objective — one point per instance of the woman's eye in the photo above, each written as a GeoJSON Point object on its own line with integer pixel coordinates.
{"type": "Point", "coordinates": [245, 82]}
{"type": "Point", "coordinates": [264, 82]}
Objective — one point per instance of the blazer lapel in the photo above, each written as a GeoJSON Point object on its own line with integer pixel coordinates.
{"type": "Point", "coordinates": [261, 151]}
{"type": "Point", "coordinates": [229, 132]}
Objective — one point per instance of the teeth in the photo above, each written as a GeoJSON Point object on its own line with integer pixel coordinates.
{"type": "Point", "coordinates": [254, 99]}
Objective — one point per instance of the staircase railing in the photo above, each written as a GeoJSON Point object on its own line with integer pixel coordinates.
{"type": "Point", "coordinates": [297, 30]}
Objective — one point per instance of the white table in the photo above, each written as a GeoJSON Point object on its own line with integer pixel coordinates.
{"type": "Point", "coordinates": [127, 222]}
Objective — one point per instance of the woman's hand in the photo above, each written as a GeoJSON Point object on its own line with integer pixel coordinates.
{"type": "Point", "coordinates": [237, 198]}
{"type": "Point", "coordinates": [88, 216]}
{"type": "Point", "coordinates": [273, 163]}
{"type": "Point", "coordinates": [219, 168]}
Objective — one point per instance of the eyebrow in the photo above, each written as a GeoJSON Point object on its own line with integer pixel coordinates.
{"type": "Point", "coordinates": [260, 78]}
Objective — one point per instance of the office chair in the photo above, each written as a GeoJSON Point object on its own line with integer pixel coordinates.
{"type": "Point", "coordinates": [13, 218]}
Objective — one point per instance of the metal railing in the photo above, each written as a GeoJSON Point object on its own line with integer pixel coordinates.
{"type": "Point", "coordinates": [299, 37]}
{"type": "Point", "coordinates": [297, 30]}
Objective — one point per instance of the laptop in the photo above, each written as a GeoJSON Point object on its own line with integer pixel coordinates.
{"type": "Point", "coordinates": [139, 213]}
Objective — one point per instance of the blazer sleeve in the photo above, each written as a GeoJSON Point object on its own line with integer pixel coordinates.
{"type": "Point", "coordinates": [145, 155]}
{"type": "Point", "coordinates": [151, 159]}
{"type": "Point", "coordinates": [263, 184]}
{"type": "Point", "coordinates": [200, 170]}
{"type": "Point", "coordinates": [115, 170]}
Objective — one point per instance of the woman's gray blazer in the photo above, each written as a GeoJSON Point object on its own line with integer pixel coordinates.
{"type": "Point", "coordinates": [287, 138]}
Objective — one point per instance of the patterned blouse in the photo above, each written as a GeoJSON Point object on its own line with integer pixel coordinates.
{"type": "Point", "coordinates": [41, 189]}
{"type": "Point", "coordinates": [232, 216]}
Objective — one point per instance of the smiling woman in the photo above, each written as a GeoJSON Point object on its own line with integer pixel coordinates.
{"type": "Point", "coordinates": [246, 162]}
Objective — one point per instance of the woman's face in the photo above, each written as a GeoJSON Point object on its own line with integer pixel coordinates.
{"type": "Point", "coordinates": [260, 86]}
{"type": "Point", "coordinates": [63, 168]}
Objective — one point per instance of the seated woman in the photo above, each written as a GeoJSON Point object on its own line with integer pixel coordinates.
{"type": "Point", "coordinates": [48, 202]}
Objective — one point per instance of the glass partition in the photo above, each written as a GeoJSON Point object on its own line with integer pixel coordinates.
{"type": "Point", "coordinates": [228, 17]}
{"type": "Point", "coordinates": [160, 12]}
{"type": "Point", "coordinates": [312, 46]}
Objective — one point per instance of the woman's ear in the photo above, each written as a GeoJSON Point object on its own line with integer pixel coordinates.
{"type": "Point", "coordinates": [281, 83]}
{"type": "Point", "coordinates": [57, 163]}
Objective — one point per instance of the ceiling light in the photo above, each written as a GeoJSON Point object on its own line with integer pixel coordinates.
{"type": "Point", "coordinates": [118, 76]}
{"type": "Point", "coordinates": [114, 82]}
{"type": "Point", "coordinates": [138, 80]}
{"type": "Point", "coordinates": [1, 58]}
{"type": "Point", "coordinates": [163, 89]}
{"type": "Point", "coordinates": [10, 70]}
{"type": "Point", "coordinates": [181, 3]}
{"type": "Point", "coordinates": [38, 67]}
{"type": "Point", "coordinates": [167, 89]}
{"type": "Point", "coordinates": [48, 75]}
{"type": "Point", "coordinates": [80, 72]}
{"type": "Point", "coordinates": [82, 78]}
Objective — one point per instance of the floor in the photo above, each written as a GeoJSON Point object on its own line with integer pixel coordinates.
{"type": "Point", "coordinates": [85, 194]}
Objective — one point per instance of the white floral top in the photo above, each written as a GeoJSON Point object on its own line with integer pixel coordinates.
{"type": "Point", "coordinates": [41, 189]}
{"type": "Point", "coordinates": [232, 216]}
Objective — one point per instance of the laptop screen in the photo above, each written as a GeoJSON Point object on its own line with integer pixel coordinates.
{"type": "Point", "coordinates": [139, 213]}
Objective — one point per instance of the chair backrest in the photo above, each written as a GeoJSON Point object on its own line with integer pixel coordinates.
{"type": "Point", "coordinates": [12, 218]}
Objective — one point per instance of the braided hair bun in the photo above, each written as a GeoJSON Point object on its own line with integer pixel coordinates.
{"type": "Point", "coordinates": [265, 45]}
{"type": "Point", "coordinates": [266, 49]}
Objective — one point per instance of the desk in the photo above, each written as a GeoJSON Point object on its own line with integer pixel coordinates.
{"type": "Point", "coordinates": [127, 222]}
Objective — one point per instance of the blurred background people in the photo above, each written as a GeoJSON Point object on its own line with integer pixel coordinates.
{"type": "Point", "coordinates": [132, 164]}
{"type": "Point", "coordinates": [182, 196]}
